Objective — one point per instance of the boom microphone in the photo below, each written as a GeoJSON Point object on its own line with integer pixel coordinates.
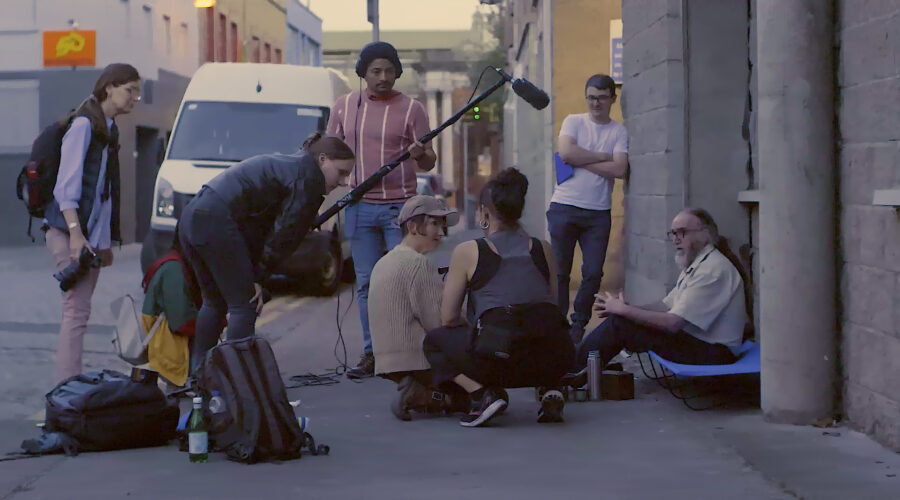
{"type": "Point", "coordinates": [534, 96]}
{"type": "Point", "coordinates": [526, 90]}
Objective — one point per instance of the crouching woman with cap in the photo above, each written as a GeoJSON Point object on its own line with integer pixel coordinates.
{"type": "Point", "coordinates": [405, 303]}
{"type": "Point", "coordinates": [248, 219]}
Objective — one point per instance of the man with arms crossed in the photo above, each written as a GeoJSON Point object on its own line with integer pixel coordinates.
{"type": "Point", "coordinates": [597, 147]}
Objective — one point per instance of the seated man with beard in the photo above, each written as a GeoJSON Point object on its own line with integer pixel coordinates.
{"type": "Point", "coordinates": [700, 322]}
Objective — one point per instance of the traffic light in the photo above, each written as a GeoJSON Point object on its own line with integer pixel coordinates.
{"type": "Point", "coordinates": [475, 114]}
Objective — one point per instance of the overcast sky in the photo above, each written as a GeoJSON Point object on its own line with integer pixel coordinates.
{"type": "Point", "coordinates": [347, 15]}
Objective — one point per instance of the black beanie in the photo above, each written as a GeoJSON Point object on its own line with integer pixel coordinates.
{"type": "Point", "coordinates": [377, 50]}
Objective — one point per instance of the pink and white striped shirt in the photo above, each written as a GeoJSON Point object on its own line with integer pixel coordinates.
{"type": "Point", "coordinates": [384, 129]}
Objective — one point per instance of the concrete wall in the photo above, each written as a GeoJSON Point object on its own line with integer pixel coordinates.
{"type": "Point", "coordinates": [869, 119]}
{"type": "Point", "coordinates": [163, 50]}
{"type": "Point", "coordinates": [129, 30]}
{"type": "Point", "coordinates": [528, 133]}
{"type": "Point", "coordinates": [304, 35]}
{"type": "Point", "coordinates": [685, 117]}
{"type": "Point", "coordinates": [581, 49]}
{"type": "Point", "coordinates": [259, 22]}
{"type": "Point", "coordinates": [654, 106]}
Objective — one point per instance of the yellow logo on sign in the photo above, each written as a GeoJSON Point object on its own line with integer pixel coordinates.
{"type": "Point", "coordinates": [73, 42]}
{"type": "Point", "coordinates": [70, 48]}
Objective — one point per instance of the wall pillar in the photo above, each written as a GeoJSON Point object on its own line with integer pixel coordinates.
{"type": "Point", "coordinates": [797, 209]}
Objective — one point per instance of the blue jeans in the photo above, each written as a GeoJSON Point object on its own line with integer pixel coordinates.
{"type": "Point", "coordinates": [373, 231]}
{"type": "Point", "coordinates": [590, 229]}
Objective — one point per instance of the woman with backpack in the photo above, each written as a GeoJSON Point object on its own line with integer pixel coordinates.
{"type": "Point", "coordinates": [245, 221]}
{"type": "Point", "coordinates": [84, 212]}
{"type": "Point", "coordinates": [515, 335]}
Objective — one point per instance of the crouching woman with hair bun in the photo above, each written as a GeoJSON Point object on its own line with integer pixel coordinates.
{"type": "Point", "coordinates": [248, 219]}
{"type": "Point", "coordinates": [509, 279]}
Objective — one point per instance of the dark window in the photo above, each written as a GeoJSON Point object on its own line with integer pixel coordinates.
{"type": "Point", "coordinates": [234, 56]}
{"type": "Point", "coordinates": [221, 34]}
{"type": "Point", "coordinates": [234, 131]}
{"type": "Point", "coordinates": [210, 35]}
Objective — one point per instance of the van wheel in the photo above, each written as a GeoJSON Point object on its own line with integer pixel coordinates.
{"type": "Point", "coordinates": [348, 272]}
{"type": "Point", "coordinates": [326, 280]}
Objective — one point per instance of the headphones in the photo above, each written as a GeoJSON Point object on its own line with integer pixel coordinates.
{"type": "Point", "coordinates": [375, 46]}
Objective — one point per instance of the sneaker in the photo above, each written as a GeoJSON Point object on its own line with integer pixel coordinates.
{"type": "Point", "coordinates": [365, 368]}
{"type": "Point", "coordinates": [552, 404]}
{"type": "Point", "coordinates": [483, 409]}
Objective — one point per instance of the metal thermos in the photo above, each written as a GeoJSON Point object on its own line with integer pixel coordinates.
{"type": "Point", "coordinates": [593, 370]}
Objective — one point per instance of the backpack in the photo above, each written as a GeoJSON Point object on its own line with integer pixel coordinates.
{"type": "Point", "coordinates": [36, 180]}
{"type": "Point", "coordinates": [107, 410]}
{"type": "Point", "coordinates": [258, 422]}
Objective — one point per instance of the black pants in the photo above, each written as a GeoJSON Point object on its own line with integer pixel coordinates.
{"type": "Point", "coordinates": [617, 333]}
{"type": "Point", "coordinates": [219, 255]}
{"type": "Point", "coordinates": [540, 362]}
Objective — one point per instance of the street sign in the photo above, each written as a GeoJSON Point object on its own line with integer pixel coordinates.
{"type": "Point", "coordinates": [70, 48]}
{"type": "Point", "coordinates": [615, 48]}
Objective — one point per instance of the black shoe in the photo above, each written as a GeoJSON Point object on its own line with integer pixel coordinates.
{"type": "Point", "coordinates": [365, 368]}
{"type": "Point", "coordinates": [575, 379]}
{"type": "Point", "coordinates": [483, 409]}
{"type": "Point", "coordinates": [552, 404]}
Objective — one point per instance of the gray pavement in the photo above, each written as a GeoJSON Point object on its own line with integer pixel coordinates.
{"type": "Point", "coordinates": [649, 447]}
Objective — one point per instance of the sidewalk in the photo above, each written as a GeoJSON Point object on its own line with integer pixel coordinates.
{"type": "Point", "coordinates": [649, 447]}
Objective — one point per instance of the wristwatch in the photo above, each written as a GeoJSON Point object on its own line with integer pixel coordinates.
{"type": "Point", "coordinates": [73, 225]}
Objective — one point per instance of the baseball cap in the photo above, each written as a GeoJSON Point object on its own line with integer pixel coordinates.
{"type": "Point", "coordinates": [427, 205]}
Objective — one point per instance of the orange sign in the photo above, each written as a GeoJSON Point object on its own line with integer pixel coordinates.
{"type": "Point", "coordinates": [70, 48]}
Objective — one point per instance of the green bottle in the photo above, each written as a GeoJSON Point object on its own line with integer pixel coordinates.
{"type": "Point", "coordinates": [198, 439]}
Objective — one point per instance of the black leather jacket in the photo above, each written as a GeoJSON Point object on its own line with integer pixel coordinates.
{"type": "Point", "coordinates": [274, 199]}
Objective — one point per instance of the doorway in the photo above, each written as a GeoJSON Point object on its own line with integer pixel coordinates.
{"type": "Point", "coordinates": [147, 144]}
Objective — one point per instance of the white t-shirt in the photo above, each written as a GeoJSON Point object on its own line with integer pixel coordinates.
{"type": "Point", "coordinates": [709, 295]}
{"type": "Point", "coordinates": [586, 189]}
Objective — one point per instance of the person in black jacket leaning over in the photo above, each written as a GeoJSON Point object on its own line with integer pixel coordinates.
{"type": "Point", "coordinates": [245, 221]}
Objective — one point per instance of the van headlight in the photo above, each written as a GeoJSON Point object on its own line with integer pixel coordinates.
{"type": "Point", "coordinates": [165, 199]}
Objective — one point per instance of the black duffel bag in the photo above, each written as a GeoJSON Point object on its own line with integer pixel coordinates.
{"type": "Point", "coordinates": [107, 410]}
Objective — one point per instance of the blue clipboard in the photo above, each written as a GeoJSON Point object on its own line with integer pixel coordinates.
{"type": "Point", "coordinates": [563, 170]}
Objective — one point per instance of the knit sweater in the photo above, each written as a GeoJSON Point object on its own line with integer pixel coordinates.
{"type": "Point", "coordinates": [404, 304]}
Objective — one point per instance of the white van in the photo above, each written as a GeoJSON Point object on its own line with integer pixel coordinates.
{"type": "Point", "coordinates": [230, 112]}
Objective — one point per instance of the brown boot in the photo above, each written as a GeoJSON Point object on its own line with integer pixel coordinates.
{"type": "Point", "coordinates": [411, 395]}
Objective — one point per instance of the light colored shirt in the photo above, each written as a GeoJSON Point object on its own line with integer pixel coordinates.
{"type": "Point", "coordinates": [404, 304]}
{"type": "Point", "coordinates": [709, 295]}
{"type": "Point", "coordinates": [586, 189]}
{"type": "Point", "coordinates": [68, 182]}
{"type": "Point", "coordinates": [378, 131]}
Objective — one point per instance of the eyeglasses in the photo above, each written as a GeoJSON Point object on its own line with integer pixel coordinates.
{"type": "Point", "coordinates": [598, 98]}
{"type": "Point", "coordinates": [680, 233]}
{"type": "Point", "coordinates": [134, 92]}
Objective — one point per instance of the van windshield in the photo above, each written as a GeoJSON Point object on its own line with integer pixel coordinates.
{"type": "Point", "coordinates": [234, 131]}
